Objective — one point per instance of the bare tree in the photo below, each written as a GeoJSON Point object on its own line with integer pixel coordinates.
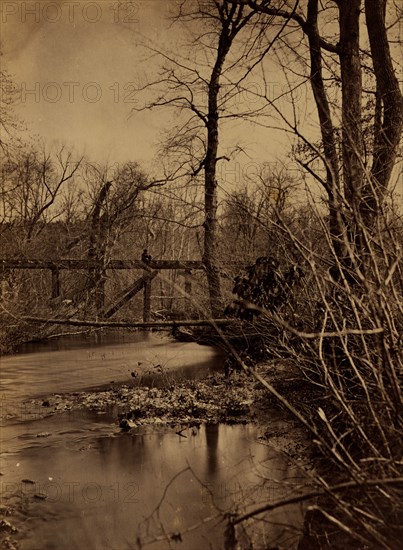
{"type": "Point", "coordinates": [356, 181]}
{"type": "Point", "coordinates": [202, 86]}
{"type": "Point", "coordinates": [113, 204]}
{"type": "Point", "coordinates": [32, 183]}
{"type": "Point", "coordinates": [10, 125]}
{"type": "Point", "coordinates": [250, 214]}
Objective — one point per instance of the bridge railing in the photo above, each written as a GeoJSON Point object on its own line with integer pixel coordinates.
{"type": "Point", "coordinates": [150, 270]}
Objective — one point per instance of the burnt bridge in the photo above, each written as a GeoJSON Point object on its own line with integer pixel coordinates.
{"type": "Point", "coordinates": [143, 283]}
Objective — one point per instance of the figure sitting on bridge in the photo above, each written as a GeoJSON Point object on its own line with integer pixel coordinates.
{"type": "Point", "coordinates": [146, 257]}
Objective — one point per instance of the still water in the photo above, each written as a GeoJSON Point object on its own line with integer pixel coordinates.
{"type": "Point", "coordinates": [75, 481]}
{"type": "Point", "coordinates": [74, 363]}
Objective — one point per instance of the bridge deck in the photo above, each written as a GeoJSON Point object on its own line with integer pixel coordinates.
{"type": "Point", "coordinates": [88, 264]}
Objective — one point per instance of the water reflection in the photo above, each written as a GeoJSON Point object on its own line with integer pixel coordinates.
{"type": "Point", "coordinates": [100, 489]}
{"type": "Point", "coordinates": [211, 444]}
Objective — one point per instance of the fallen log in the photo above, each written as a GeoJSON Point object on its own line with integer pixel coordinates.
{"type": "Point", "coordinates": [128, 324]}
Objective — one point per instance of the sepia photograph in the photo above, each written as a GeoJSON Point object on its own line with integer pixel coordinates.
{"type": "Point", "coordinates": [201, 275]}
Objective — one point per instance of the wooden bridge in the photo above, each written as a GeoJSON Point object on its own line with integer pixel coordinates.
{"type": "Point", "coordinates": [149, 271]}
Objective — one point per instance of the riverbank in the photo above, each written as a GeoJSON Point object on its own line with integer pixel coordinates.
{"type": "Point", "coordinates": [217, 398]}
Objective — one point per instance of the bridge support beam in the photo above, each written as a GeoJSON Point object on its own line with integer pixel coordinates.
{"type": "Point", "coordinates": [147, 299]}
{"type": "Point", "coordinates": [188, 289]}
{"type": "Point", "coordinates": [55, 283]}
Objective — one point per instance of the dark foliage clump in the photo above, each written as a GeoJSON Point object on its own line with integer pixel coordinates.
{"type": "Point", "coordinates": [262, 286]}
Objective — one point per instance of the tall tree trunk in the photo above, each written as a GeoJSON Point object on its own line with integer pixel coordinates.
{"type": "Point", "coordinates": [350, 70]}
{"type": "Point", "coordinates": [231, 23]}
{"type": "Point", "coordinates": [352, 135]}
{"type": "Point", "coordinates": [332, 185]}
{"type": "Point", "coordinates": [210, 197]}
{"type": "Point", "coordinates": [388, 129]}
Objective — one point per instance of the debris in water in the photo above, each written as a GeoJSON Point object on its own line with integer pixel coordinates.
{"type": "Point", "coordinates": [6, 526]}
{"type": "Point", "coordinates": [126, 424]}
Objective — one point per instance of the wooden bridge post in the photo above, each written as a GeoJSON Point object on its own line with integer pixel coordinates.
{"type": "Point", "coordinates": [55, 282]}
{"type": "Point", "coordinates": [188, 289]}
{"type": "Point", "coordinates": [147, 300]}
{"type": "Point", "coordinates": [100, 296]}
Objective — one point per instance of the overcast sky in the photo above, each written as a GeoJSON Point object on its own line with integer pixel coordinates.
{"type": "Point", "coordinates": [77, 63]}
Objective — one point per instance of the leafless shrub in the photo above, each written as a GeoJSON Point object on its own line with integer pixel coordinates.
{"type": "Point", "coordinates": [346, 339]}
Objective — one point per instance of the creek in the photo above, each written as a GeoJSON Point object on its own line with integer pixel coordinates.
{"type": "Point", "coordinates": [74, 480]}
